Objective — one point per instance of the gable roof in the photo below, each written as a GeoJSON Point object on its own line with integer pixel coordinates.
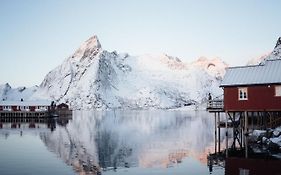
{"type": "Point", "coordinates": [267, 73]}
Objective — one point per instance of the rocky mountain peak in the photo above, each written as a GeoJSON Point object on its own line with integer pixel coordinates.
{"type": "Point", "coordinates": [276, 53]}
{"type": "Point", "coordinates": [278, 42]}
{"type": "Point", "coordinates": [8, 85]}
{"type": "Point", "coordinates": [88, 49]}
{"type": "Point", "coordinates": [93, 42]}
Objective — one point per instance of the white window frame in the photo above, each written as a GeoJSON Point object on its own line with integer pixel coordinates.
{"type": "Point", "coordinates": [278, 91]}
{"type": "Point", "coordinates": [244, 91]}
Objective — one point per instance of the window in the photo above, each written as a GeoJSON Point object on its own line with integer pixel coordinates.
{"type": "Point", "coordinates": [242, 94]}
{"type": "Point", "coordinates": [278, 91]}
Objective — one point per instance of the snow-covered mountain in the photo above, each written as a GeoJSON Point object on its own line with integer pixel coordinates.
{"type": "Point", "coordinates": [9, 93]}
{"type": "Point", "coordinates": [96, 78]}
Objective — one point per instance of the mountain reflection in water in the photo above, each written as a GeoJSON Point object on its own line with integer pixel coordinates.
{"type": "Point", "coordinates": [109, 140]}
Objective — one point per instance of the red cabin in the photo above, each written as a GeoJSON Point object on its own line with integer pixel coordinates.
{"type": "Point", "coordinates": [253, 88]}
{"type": "Point", "coordinates": [27, 106]}
{"type": "Point", "coordinates": [63, 106]}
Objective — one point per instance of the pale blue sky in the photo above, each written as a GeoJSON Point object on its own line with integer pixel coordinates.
{"type": "Point", "coordinates": [37, 35]}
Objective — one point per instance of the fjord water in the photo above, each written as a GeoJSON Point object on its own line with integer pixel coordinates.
{"type": "Point", "coordinates": [112, 142]}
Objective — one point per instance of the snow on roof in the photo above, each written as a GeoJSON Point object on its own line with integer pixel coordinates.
{"type": "Point", "coordinates": [26, 103]}
{"type": "Point", "coordinates": [267, 73]}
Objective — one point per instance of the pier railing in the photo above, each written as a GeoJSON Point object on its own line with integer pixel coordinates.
{"type": "Point", "coordinates": [215, 104]}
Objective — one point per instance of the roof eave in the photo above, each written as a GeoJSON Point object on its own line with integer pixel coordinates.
{"type": "Point", "coordinates": [241, 85]}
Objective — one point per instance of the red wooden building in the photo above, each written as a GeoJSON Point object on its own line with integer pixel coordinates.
{"type": "Point", "coordinates": [63, 106]}
{"type": "Point", "coordinates": [251, 100]}
{"type": "Point", "coordinates": [253, 88]}
{"type": "Point", "coordinates": [32, 106]}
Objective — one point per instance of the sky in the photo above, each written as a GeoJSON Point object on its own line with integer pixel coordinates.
{"type": "Point", "coordinates": [37, 35]}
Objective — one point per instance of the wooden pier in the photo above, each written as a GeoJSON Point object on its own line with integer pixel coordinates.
{"type": "Point", "coordinates": [216, 105]}
{"type": "Point", "coordinates": [241, 123]}
{"type": "Point", "coordinates": [236, 157]}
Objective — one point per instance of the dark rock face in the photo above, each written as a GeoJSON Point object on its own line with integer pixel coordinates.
{"type": "Point", "coordinates": [278, 42]}
{"type": "Point", "coordinates": [273, 147]}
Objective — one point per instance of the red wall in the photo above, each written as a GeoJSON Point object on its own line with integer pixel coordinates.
{"type": "Point", "coordinates": [259, 98]}
{"type": "Point", "coordinates": [32, 108]}
{"type": "Point", "coordinates": [14, 108]}
{"type": "Point", "coordinates": [255, 166]}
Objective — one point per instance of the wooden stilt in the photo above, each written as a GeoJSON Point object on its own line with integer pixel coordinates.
{"type": "Point", "coordinates": [234, 130]}
{"type": "Point", "coordinates": [242, 128]}
{"type": "Point", "coordinates": [215, 132]}
{"type": "Point", "coordinates": [246, 134]}
{"type": "Point", "coordinates": [226, 134]}
{"type": "Point", "coordinates": [219, 134]}
{"type": "Point", "coordinates": [252, 127]}
{"type": "Point", "coordinates": [258, 120]}
{"type": "Point", "coordinates": [270, 119]}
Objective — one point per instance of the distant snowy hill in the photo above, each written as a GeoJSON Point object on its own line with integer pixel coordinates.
{"type": "Point", "coordinates": [257, 60]}
{"type": "Point", "coordinates": [9, 93]}
{"type": "Point", "coordinates": [95, 78]}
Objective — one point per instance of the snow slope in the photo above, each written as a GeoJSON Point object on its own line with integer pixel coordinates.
{"type": "Point", "coordinates": [16, 94]}
{"type": "Point", "coordinates": [95, 78]}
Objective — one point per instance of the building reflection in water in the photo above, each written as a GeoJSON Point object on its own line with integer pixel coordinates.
{"type": "Point", "coordinates": [38, 125]}
{"type": "Point", "coordinates": [108, 140]}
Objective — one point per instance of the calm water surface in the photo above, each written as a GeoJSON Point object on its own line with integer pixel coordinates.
{"type": "Point", "coordinates": [112, 142]}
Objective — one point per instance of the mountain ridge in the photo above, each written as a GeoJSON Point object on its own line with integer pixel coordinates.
{"type": "Point", "coordinates": [94, 78]}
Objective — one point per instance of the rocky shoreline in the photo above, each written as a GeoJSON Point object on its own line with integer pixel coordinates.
{"type": "Point", "coordinates": [267, 141]}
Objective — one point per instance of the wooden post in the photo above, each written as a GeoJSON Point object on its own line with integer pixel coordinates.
{"type": "Point", "coordinates": [219, 134]}
{"type": "Point", "coordinates": [226, 135]}
{"type": "Point", "coordinates": [243, 129]}
{"type": "Point", "coordinates": [258, 122]}
{"type": "Point", "coordinates": [246, 134]}
{"type": "Point", "coordinates": [252, 121]}
{"type": "Point", "coordinates": [234, 129]}
{"type": "Point", "coordinates": [265, 120]}
{"type": "Point", "coordinates": [215, 132]}
{"type": "Point", "coordinates": [270, 120]}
